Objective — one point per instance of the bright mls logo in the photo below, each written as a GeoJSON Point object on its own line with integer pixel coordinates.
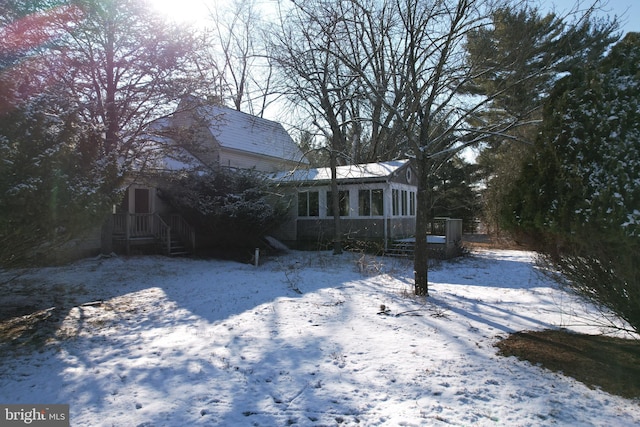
{"type": "Point", "coordinates": [34, 415]}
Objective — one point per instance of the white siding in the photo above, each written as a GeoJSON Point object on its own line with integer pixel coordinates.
{"type": "Point", "coordinates": [243, 160]}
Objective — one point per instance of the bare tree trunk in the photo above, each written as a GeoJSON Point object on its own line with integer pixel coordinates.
{"type": "Point", "coordinates": [112, 127]}
{"type": "Point", "coordinates": [106, 236]}
{"type": "Point", "coordinates": [421, 254]}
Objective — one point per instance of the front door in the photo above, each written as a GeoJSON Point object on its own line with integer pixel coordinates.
{"type": "Point", "coordinates": [142, 211]}
{"type": "Point", "coordinates": [141, 201]}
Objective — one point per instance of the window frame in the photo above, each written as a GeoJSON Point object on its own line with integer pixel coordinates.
{"type": "Point", "coordinates": [371, 202]}
{"type": "Point", "coordinates": [395, 202]}
{"type": "Point", "coordinates": [343, 203]}
{"type": "Point", "coordinates": [412, 203]}
{"type": "Point", "coordinates": [404, 196]}
{"type": "Point", "coordinates": [311, 207]}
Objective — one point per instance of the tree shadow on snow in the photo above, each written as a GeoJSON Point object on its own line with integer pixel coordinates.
{"type": "Point", "coordinates": [126, 321]}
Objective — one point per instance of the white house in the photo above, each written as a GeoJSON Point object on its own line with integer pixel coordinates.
{"type": "Point", "coordinates": [222, 137]}
{"type": "Point", "coordinates": [197, 136]}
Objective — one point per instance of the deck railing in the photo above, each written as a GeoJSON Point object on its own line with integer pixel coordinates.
{"type": "Point", "coordinates": [162, 231]}
{"type": "Point", "coordinates": [120, 224]}
{"type": "Point", "coordinates": [437, 227]}
{"type": "Point", "coordinates": [129, 226]}
{"type": "Point", "coordinates": [132, 225]}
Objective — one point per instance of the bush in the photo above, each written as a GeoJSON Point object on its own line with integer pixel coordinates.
{"type": "Point", "coordinates": [230, 206]}
{"type": "Point", "coordinates": [602, 269]}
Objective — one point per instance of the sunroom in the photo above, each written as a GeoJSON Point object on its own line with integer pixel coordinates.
{"type": "Point", "coordinates": [377, 202]}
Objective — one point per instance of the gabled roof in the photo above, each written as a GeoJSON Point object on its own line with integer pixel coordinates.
{"type": "Point", "coordinates": [363, 172]}
{"type": "Point", "coordinates": [162, 153]}
{"type": "Point", "coordinates": [240, 131]}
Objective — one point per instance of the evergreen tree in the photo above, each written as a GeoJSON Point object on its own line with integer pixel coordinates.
{"type": "Point", "coordinates": [49, 189]}
{"type": "Point", "coordinates": [579, 195]}
{"type": "Point", "coordinates": [523, 41]}
{"type": "Point", "coordinates": [454, 191]}
{"type": "Point", "coordinates": [230, 208]}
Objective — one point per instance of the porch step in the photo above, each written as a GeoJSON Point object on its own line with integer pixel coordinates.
{"type": "Point", "coordinates": [178, 248]}
{"type": "Point", "coordinates": [402, 248]}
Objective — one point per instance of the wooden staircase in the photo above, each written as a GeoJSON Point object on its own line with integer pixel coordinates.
{"type": "Point", "coordinates": [171, 235]}
{"type": "Point", "coordinates": [444, 237]}
{"type": "Point", "coordinates": [403, 248]}
{"type": "Point", "coordinates": [177, 247]}
{"type": "Point", "coordinates": [179, 240]}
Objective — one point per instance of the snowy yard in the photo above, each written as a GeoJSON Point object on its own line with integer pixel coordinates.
{"type": "Point", "coordinates": [300, 340]}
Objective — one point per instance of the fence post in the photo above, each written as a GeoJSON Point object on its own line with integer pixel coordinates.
{"type": "Point", "coordinates": [168, 230]}
{"type": "Point", "coordinates": [127, 233]}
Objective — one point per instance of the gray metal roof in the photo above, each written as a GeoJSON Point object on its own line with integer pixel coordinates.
{"type": "Point", "coordinates": [243, 132]}
{"type": "Point", "coordinates": [362, 172]}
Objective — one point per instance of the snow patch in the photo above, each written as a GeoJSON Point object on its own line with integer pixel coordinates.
{"type": "Point", "coordinates": [172, 342]}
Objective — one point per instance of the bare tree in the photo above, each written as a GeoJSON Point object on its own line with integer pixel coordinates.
{"type": "Point", "coordinates": [406, 59]}
{"type": "Point", "coordinates": [435, 115]}
{"type": "Point", "coordinates": [236, 59]}
{"type": "Point", "coordinates": [318, 82]}
{"type": "Point", "coordinates": [409, 57]}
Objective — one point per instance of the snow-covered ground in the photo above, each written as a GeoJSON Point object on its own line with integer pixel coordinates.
{"type": "Point", "coordinates": [299, 341]}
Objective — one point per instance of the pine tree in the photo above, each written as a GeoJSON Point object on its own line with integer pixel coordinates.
{"type": "Point", "coordinates": [523, 41]}
{"type": "Point", "coordinates": [49, 188]}
{"type": "Point", "coordinates": [579, 195]}
{"type": "Point", "coordinates": [454, 191]}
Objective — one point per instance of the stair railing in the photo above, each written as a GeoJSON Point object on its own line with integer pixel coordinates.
{"type": "Point", "coordinates": [185, 231]}
{"type": "Point", "coordinates": [162, 231]}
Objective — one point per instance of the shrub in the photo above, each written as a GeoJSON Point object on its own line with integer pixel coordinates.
{"type": "Point", "coordinates": [230, 206]}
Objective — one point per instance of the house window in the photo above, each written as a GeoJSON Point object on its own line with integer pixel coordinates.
{"type": "Point", "coordinates": [412, 203]}
{"type": "Point", "coordinates": [370, 202]}
{"type": "Point", "coordinates": [403, 202]}
{"type": "Point", "coordinates": [343, 202]}
{"type": "Point", "coordinates": [308, 203]}
{"type": "Point", "coordinates": [395, 202]}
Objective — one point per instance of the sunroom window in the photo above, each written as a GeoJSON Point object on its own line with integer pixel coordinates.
{"type": "Point", "coordinates": [308, 203]}
{"type": "Point", "coordinates": [370, 202]}
{"type": "Point", "coordinates": [343, 202]}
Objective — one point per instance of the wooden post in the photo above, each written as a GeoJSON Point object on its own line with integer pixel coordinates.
{"type": "Point", "coordinates": [168, 241]}
{"type": "Point", "coordinates": [127, 233]}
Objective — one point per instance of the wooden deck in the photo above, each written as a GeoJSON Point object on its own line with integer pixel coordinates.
{"type": "Point", "coordinates": [443, 242]}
